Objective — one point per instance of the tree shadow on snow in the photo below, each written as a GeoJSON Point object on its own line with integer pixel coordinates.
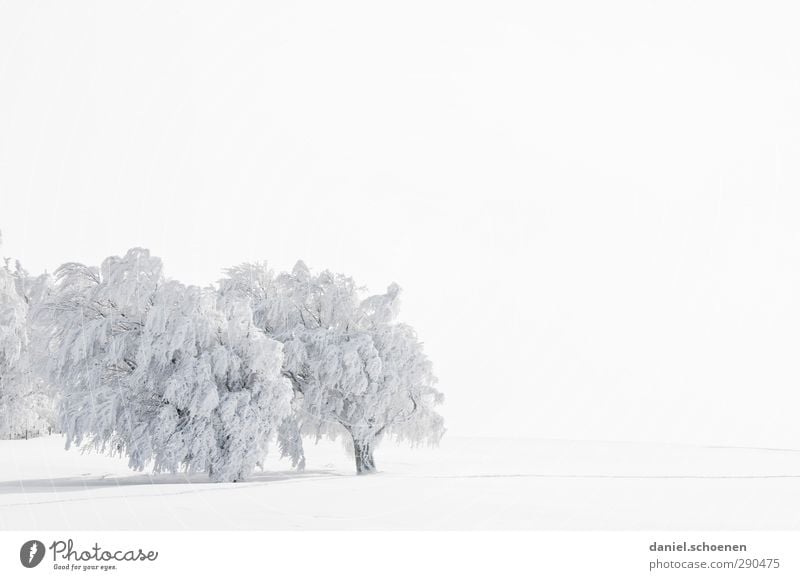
{"type": "Point", "coordinates": [87, 482]}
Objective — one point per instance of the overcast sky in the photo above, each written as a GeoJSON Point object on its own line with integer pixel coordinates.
{"type": "Point", "coordinates": [592, 207]}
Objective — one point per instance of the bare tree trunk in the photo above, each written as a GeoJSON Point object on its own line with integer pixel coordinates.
{"type": "Point", "coordinates": [365, 462]}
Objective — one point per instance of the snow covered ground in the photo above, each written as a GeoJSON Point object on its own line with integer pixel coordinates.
{"type": "Point", "coordinates": [464, 484]}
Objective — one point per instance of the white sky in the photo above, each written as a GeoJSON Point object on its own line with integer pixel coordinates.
{"type": "Point", "coordinates": [592, 207]}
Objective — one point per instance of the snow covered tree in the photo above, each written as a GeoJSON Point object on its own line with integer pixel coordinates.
{"type": "Point", "coordinates": [353, 367]}
{"type": "Point", "coordinates": [94, 320]}
{"type": "Point", "coordinates": [14, 370]}
{"type": "Point", "coordinates": [25, 399]}
{"type": "Point", "coordinates": [215, 380]}
{"type": "Point", "coordinates": [41, 394]}
{"type": "Point", "coordinates": [166, 374]}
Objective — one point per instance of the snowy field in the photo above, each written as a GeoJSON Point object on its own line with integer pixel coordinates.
{"type": "Point", "coordinates": [464, 484]}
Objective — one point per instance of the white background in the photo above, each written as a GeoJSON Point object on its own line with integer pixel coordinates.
{"type": "Point", "coordinates": [390, 555]}
{"type": "Point", "coordinates": [592, 207]}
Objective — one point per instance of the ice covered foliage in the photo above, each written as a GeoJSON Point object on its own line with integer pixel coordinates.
{"type": "Point", "coordinates": [25, 400]}
{"type": "Point", "coordinates": [354, 368]}
{"type": "Point", "coordinates": [169, 375]}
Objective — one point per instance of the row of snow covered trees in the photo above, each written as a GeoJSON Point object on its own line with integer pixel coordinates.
{"type": "Point", "coordinates": [179, 377]}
